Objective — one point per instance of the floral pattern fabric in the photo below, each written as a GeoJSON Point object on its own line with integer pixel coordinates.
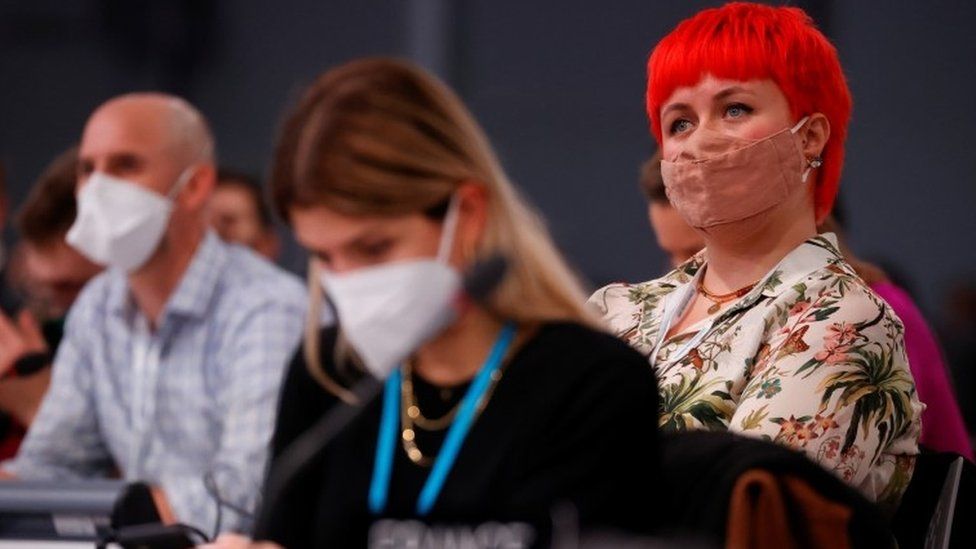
{"type": "Point", "coordinates": [811, 358]}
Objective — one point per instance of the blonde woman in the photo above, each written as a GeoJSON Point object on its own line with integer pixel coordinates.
{"type": "Point", "coordinates": [393, 188]}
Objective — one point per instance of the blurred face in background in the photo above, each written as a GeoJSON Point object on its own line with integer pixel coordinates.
{"type": "Point", "coordinates": [678, 239]}
{"type": "Point", "coordinates": [136, 143]}
{"type": "Point", "coordinates": [343, 243]}
{"type": "Point", "coordinates": [57, 273]}
{"type": "Point", "coordinates": [234, 214]}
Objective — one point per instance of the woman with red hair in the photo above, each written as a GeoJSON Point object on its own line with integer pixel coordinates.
{"type": "Point", "coordinates": [768, 331]}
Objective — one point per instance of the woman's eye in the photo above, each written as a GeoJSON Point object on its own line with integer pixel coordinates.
{"type": "Point", "coordinates": [679, 126]}
{"type": "Point", "coordinates": [737, 110]}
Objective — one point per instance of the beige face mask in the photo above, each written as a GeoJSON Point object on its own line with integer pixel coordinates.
{"type": "Point", "coordinates": [727, 179]}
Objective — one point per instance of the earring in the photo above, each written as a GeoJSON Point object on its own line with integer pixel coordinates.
{"type": "Point", "coordinates": [816, 162]}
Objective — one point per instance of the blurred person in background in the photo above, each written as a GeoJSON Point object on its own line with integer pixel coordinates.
{"type": "Point", "coordinates": [53, 273]}
{"type": "Point", "coordinates": [171, 360]}
{"type": "Point", "coordinates": [674, 236]}
{"type": "Point", "coordinates": [958, 331]}
{"type": "Point", "coordinates": [943, 428]}
{"type": "Point", "coordinates": [10, 299]}
{"type": "Point", "coordinates": [767, 332]}
{"type": "Point", "coordinates": [49, 275]}
{"type": "Point", "coordinates": [19, 395]}
{"type": "Point", "coordinates": [240, 214]}
{"type": "Point", "coordinates": [518, 404]}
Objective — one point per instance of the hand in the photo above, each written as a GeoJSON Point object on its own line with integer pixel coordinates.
{"type": "Point", "coordinates": [21, 397]}
{"type": "Point", "coordinates": [237, 541]}
{"type": "Point", "coordinates": [166, 515]}
{"type": "Point", "coordinates": [19, 339]}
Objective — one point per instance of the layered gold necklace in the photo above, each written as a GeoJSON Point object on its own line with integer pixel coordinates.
{"type": "Point", "coordinates": [411, 418]}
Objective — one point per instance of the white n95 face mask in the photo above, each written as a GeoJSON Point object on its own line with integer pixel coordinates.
{"type": "Point", "coordinates": [387, 311]}
{"type": "Point", "coordinates": [120, 223]}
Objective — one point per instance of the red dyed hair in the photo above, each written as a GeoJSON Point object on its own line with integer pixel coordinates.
{"type": "Point", "coordinates": [745, 41]}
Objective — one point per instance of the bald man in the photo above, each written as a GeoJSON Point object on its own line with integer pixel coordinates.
{"type": "Point", "coordinates": [171, 360]}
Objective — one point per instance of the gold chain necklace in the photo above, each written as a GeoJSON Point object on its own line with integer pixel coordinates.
{"type": "Point", "coordinates": [720, 299]}
{"type": "Point", "coordinates": [410, 412]}
{"type": "Point", "coordinates": [412, 408]}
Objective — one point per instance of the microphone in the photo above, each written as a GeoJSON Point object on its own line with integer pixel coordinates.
{"type": "Point", "coordinates": [477, 286]}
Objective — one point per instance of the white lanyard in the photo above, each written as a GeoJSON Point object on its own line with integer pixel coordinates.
{"type": "Point", "coordinates": [681, 297]}
{"type": "Point", "coordinates": [145, 370]}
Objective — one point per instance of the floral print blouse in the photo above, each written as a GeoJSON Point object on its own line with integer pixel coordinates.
{"type": "Point", "coordinates": [810, 358]}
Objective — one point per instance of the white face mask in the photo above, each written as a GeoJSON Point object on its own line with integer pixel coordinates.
{"type": "Point", "coordinates": [120, 223]}
{"type": "Point", "coordinates": [387, 311]}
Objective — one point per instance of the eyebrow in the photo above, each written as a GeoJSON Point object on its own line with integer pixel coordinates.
{"type": "Point", "coordinates": [115, 155]}
{"type": "Point", "coordinates": [112, 156]}
{"type": "Point", "coordinates": [359, 240]}
{"type": "Point", "coordinates": [673, 107]}
{"type": "Point", "coordinates": [731, 91]}
{"type": "Point", "coordinates": [366, 238]}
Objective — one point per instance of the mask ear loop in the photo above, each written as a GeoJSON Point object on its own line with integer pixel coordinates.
{"type": "Point", "coordinates": [312, 350]}
{"type": "Point", "coordinates": [449, 229]}
{"type": "Point", "coordinates": [793, 130]}
{"type": "Point", "coordinates": [181, 182]}
{"type": "Point", "coordinates": [799, 124]}
{"type": "Point", "coordinates": [184, 177]}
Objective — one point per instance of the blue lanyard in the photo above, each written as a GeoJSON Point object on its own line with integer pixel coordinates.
{"type": "Point", "coordinates": [390, 421]}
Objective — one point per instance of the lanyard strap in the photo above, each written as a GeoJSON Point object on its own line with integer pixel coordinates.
{"type": "Point", "coordinates": [680, 299]}
{"type": "Point", "coordinates": [675, 305]}
{"type": "Point", "coordinates": [389, 422]}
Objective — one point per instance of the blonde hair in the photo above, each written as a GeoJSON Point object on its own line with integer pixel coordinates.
{"type": "Point", "coordinates": [380, 136]}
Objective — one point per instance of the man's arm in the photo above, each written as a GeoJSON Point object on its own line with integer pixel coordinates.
{"type": "Point", "coordinates": [258, 347]}
{"type": "Point", "coordinates": [64, 440]}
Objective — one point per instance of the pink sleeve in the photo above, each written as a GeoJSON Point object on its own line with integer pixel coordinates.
{"type": "Point", "coordinates": [942, 425]}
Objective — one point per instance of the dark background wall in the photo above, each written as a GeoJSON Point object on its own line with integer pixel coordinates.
{"type": "Point", "coordinates": [558, 84]}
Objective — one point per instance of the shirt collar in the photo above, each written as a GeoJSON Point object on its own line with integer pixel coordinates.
{"type": "Point", "coordinates": [192, 295]}
{"type": "Point", "coordinates": [688, 271]}
{"type": "Point", "coordinates": [812, 255]}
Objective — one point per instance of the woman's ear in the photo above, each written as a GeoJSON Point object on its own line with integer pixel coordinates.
{"type": "Point", "coordinates": [473, 204]}
{"type": "Point", "coordinates": [815, 135]}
